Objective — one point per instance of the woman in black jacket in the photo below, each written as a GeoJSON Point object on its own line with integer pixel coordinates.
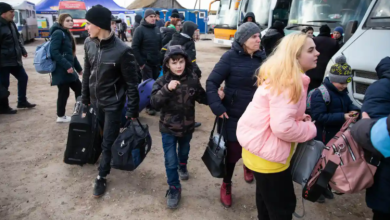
{"type": "Point", "coordinates": [237, 68]}
{"type": "Point", "coordinates": [63, 51]}
{"type": "Point", "coordinates": [273, 37]}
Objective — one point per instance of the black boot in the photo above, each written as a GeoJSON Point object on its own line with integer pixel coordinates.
{"type": "Point", "coordinates": [197, 124]}
{"type": "Point", "coordinates": [25, 104]}
{"type": "Point", "coordinates": [100, 187]}
{"type": "Point", "coordinates": [8, 111]}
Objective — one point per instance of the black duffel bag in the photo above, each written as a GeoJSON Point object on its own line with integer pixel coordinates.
{"type": "Point", "coordinates": [214, 156]}
{"type": "Point", "coordinates": [131, 146]}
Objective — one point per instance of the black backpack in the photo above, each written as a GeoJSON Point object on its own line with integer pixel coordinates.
{"type": "Point", "coordinates": [131, 146]}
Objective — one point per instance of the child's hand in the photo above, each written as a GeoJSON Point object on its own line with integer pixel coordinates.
{"type": "Point", "coordinates": [221, 93]}
{"type": "Point", "coordinates": [347, 116]}
{"type": "Point", "coordinates": [173, 84]}
{"type": "Point", "coordinates": [353, 114]}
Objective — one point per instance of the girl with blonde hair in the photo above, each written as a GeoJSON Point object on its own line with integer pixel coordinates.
{"type": "Point", "coordinates": [275, 121]}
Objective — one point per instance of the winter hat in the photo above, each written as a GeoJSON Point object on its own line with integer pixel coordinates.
{"type": "Point", "coordinates": [149, 12]}
{"type": "Point", "coordinates": [175, 11]}
{"type": "Point", "coordinates": [4, 7]}
{"type": "Point", "coordinates": [117, 20]}
{"type": "Point", "coordinates": [189, 28]}
{"type": "Point", "coordinates": [157, 12]}
{"type": "Point", "coordinates": [380, 137]}
{"type": "Point", "coordinates": [325, 29]}
{"type": "Point", "coordinates": [278, 25]}
{"type": "Point", "coordinates": [182, 17]}
{"type": "Point", "coordinates": [339, 29]}
{"type": "Point", "coordinates": [175, 15]}
{"type": "Point", "coordinates": [245, 31]}
{"type": "Point", "coordinates": [99, 16]}
{"type": "Point", "coordinates": [341, 72]}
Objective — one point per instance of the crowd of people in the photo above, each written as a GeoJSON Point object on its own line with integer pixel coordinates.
{"type": "Point", "coordinates": [287, 101]}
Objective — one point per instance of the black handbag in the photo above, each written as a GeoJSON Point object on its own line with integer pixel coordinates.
{"type": "Point", "coordinates": [131, 146]}
{"type": "Point", "coordinates": [215, 153]}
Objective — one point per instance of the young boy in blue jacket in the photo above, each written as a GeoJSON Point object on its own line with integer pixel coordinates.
{"type": "Point", "coordinates": [331, 107]}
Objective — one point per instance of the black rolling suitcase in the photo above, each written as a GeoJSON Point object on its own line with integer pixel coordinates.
{"type": "Point", "coordinates": [84, 137]}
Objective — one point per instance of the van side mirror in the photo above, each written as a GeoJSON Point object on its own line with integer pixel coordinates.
{"type": "Point", "coordinates": [350, 30]}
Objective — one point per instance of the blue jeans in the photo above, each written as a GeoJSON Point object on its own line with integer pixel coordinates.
{"type": "Point", "coordinates": [173, 158]}
{"type": "Point", "coordinates": [20, 74]}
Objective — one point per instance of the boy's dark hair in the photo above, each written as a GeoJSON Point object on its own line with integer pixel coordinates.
{"type": "Point", "coordinates": [176, 57]}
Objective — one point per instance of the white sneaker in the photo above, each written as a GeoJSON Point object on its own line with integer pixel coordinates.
{"type": "Point", "coordinates": [64, 119]}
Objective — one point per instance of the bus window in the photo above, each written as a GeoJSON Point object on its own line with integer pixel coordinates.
{"type": "Point", "coordinates": [380, 15]}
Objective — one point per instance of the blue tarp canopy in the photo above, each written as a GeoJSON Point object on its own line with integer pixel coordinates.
{"type": "Point", "coordinates": [51, 6]}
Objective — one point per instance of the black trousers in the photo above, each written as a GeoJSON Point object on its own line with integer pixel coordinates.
{"type": "Point", "coordinates": [275, 197]}
{"type": "Point", "coordinates": [110, 122]}
{"type": "Point", "coordinates": [63, 95]}
{"type": "Point", "coordinates": [123, 36]}
{"type": "Point", "coordinates": [380, 215]}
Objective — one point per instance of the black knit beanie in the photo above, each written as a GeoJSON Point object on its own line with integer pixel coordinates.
{"type": "Point", "coordinates": [99, 16]}
{"type": "Point", "coordinates": [4, 7]}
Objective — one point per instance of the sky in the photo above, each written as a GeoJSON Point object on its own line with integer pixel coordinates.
{"type": "Point", "coordinates": [185, 3]}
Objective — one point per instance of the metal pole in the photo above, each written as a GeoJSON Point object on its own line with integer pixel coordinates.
{"type": "Point", "coordinates": [195, 4]}
{"type": "Point", "coordinates": [173, 3]}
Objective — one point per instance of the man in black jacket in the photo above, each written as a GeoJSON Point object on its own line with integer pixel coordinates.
{"type": "Point", "coordinates": [146, 46]}
{"type": "Point", "coordinates": [110, 75]}
{"type": "Point", "coordinates": [12, 51]}
{"type": "Point", "coordinates": [327, 46]}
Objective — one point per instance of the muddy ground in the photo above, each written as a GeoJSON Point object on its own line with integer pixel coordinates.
{"type": "Point", "coordinates": [35, 184]}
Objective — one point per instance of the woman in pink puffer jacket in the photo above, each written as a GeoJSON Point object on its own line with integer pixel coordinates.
{"type": "Point", "coordinates": [275, 121]}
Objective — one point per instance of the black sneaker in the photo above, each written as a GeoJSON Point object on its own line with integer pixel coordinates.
{"type": "Point", "coordinates": [328, 194]}
{"type": "Point", "coordinates": [173, 197]}
{"type": "Point", "coordinates": [197, 124]}
{"type": "Point", "coordinates": [25, 104]}
{"type": "Point", "coordinates": [99, 187]}
{"type": "Point", "coordinates": [8, 111]}
{"type": "Point", "coordinates": [183, 172]}
{"type": "Point", "coordinates": [321, 199]}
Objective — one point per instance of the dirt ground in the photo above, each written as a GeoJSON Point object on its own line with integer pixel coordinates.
{"type": "Point", "coordinates": [35, 183]}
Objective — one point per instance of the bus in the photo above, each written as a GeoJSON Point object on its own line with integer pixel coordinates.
{"type": "Point", "coordinates": [77, 10]}
{"type": "Point", "coordinates": [368, 44]}
{"type": "Point", "coordinates": [333, 13]}
{"type": "Point", "coordinates": [25, 19]}
{"type": "Point", "coordinates": [266, 12]}
{"type": "Point", "coordinates": [226, 22]}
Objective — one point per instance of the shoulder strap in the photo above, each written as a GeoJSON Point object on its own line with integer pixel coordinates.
{"type": "Point", "coordinates": [325, 93]}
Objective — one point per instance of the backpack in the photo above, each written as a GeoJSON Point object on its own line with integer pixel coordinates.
{"type": "Point", "coordinates": [131, 146]}
{"type": "Point", "coordinates": [325, 95]}
{"type": "Point", "coordinates": [342, 165]}
{"type": "Point", "coordinates": [43, 61]}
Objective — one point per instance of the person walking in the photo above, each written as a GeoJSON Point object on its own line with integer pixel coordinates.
{"type": "Point", "coordinates": [63, 52]}
{"type": "Point", "coordinates": [12, 50]}
{"type": "Point", "coordinates": [237, 68]}
{"type": "Point", "coordinates": [123, 30]}
{"type": "Point", "coordinates": [275, 121]}
{"type": "Point", "coordinates": [146, 46]}
{"type": "Point", "coordinates": [110, 75]}
{"type": "Point", "coordinates": [327, 47]}
{"type": "Point", "coordinates": [175, 94]}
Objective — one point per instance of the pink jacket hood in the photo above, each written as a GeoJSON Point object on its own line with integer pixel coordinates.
{"type": "Point", "coordinates": [270, 124]}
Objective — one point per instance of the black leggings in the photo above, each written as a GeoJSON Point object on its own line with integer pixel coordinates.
{"type": "Point", "coordinates": [63, 95]}
{"type": "Point", "coordinates": [229, 172]}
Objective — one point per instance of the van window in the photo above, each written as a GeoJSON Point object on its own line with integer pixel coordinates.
{"type": "Point", "coordinates": [33, 14]}
{"type": "Point", "coordinates": [380, 15]}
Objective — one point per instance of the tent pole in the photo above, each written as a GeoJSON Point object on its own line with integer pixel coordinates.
{"type": "Point", "coordinates": [195, 4]}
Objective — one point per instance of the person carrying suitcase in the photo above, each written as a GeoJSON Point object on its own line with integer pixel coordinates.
{"type": "Point", "coordinates": [107, 82]}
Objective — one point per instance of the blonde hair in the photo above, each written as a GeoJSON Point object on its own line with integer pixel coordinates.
{"type": "Point", "coordinates": [281, 71]}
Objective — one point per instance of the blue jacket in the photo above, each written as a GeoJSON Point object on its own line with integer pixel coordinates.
{"type": "Point", "coordinates": [61, 52]}
{"type": "Point", "coordinates": [377, 98]}
{"type": "Point", "coordinates": [377, 105]}
{"type": "Point", "coordinates": [237, 69]}
{"type": "Point", "coordinates": [330, 118]}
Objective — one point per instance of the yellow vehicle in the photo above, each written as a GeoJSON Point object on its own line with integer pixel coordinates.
{"type": "Point", "coordinates": [226, 22]}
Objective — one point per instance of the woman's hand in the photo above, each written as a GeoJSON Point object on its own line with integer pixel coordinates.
{"type": "Point", "coordinates": [70, 70]}
{"type": "Point", "coordinates": [306, 118]}
{"type": "Point", "coordinates": [224, 115]}
{"type": "Point", "coordinates": [221, 93]}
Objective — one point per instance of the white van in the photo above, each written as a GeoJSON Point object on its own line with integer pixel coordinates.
{"type": "Point", "coordinates": [25, 19]}
{"type": "Point", "coordinates": [367, 45]}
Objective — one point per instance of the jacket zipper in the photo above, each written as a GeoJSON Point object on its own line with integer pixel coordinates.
{"type": "Point", "coordinates": [184, 111]}
{"type": "Point", "coordinates": [349, 147]}
{"type": "Point", "coordinates": [97, 72]}
{"type": "Point", "coordinates": [116, 93]}
{"type": "Point", "coordinates": [109, 64]}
